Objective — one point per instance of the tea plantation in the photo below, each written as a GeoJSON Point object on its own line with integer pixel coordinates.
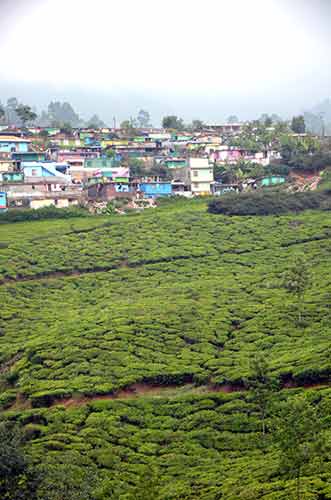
{"type": "Point", "coordinates": [123, 337]}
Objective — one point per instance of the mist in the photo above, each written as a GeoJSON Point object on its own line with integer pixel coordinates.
{"type": "Point", "coordinates": [198, 61]}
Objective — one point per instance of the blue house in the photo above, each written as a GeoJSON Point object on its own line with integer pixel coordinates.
{"type": "Point", "coordinates": [3, 201]}
{"type": "Point", "coordinates": [11, 144]}
{"type": "Point", "coordinates": [154, 189]}
{"type": "Point", "coordinates": [28, 156]}
{"type": "Point", "coordinates": [42, 169]}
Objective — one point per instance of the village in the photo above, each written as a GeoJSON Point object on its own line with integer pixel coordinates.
{"type": "Point", "coordinates": [42, 166]}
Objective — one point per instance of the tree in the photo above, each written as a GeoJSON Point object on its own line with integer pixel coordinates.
{"type": "Point", "coordinates": [2, 112]}
{"type": "Point", "coordinates": [136, 167]}
{"type": "Point", "coordinates": [266, 120]}
{"type": "Point", "coordinates": [197, 125]}
{"type": "Point", "coordinates": [95, 122]}
{"type": "Point", "coordinates": [233, 119]}
{"type": "Point", "coordinates": [298, 124]}
{"type": "Point", "coordinates": [126, 124]}
{"type": "Point", "coordinates": [275, 118]}
{"type": "Point", "coordinates": [63, 113]}
{"type": "Point", "coordinates": [262, 385]}
{"type": "Point", "coordinates": [172, 121]}
{"type": "Point", "coordinates": [66, 480]}
{"type": "Point", "coordinates": [66, 128]}
{"type": "Point", "coordinates": [160, 171]}
{"type": "Point", "coordinates": [44, 134]}
{"type": "Point", "coordinates": [18, 481]}
{"type": "Point", "coordinates": [25, 114]}
{"type": "Point", "coordinates": [143, 119]}
{"type": "Point", "coordinates": [298, 437]}
{"type": "Point", "coordinates": [297, 279]}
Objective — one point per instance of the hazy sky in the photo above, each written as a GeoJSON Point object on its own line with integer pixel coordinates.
{"type": "Point", "coordinates": [203, 59]}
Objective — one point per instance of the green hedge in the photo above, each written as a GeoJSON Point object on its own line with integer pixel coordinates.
{"type": "Point", "coordinates": [268, 203]}
{"type": "Point", "coordinates": [21, 215]}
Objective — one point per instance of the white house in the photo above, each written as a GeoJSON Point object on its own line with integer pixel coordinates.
{"type": "Point", "coordinates": [201, 175]}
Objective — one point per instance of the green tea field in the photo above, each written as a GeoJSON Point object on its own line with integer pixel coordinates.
{"type": "Point", "coordinates": [125, 348]}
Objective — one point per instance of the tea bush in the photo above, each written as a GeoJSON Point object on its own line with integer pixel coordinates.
{"type": "Point", "coordinates": [270, 202]}
{"type": "Point", "coordinates": [175, 301]}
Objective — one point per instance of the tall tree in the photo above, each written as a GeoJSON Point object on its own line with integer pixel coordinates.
{"type": "Point", "coordinates": [66, 128]}
{"type": "Point", "coordinates": [66, 481]}
{"type": "Point", "coordinates": [197, 125]}
{"type": "Point", "coordinates": [25, 114]}
{"type": "Point", "coordinates": [262, 385]}
{"type": "Point", "coordinates": [173, 122]}
{"type": "Point", "coordinates": [298, 437]}
{"type": "Point", "coordinates": [17, 479]}
{"type": "Point", "coordinates": [10, 110]}
{"type": "Point", "coordinates": [143, 119]}
{"type": "Point", "coordinates": [298, 124]}
{"type": "Point", "coordinates": [266, 120]}
{"type": "Point", "coordinates": [60, 113]}
{"type": "Point", "coordinates": [233, 119]}
{"type": "Point", "coordinates": [296, 281]}
{"type": "Point", "coordinates": [2, 112]}
{"type": "Point", "coordinates": [95, 122]}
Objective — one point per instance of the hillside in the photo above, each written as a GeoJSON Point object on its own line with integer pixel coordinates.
{"type": "Point", "coordinates": [125, 346]}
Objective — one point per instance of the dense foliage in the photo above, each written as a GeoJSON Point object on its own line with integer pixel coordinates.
{"type": "Point", "coordinates": [166, 310]}
{"type": "Point", "coordinates": [51, 212]}
{"type": "Point", "coordinates": [269, 202]}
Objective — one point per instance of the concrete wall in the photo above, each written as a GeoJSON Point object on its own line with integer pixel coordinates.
{"type": "Point", "coordinates": [8, 147]}
{"type": "Point", "coordinates": [200, 187]}
{"type": "Point", "coordinates": [41, 203]}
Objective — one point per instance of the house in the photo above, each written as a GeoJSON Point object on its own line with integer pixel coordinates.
{"type": "Point", "coordinates": [44, 169]}
{"type": "Point", "coordinates": [155, 189]}
{"type": "Point", "coordinates": [41, 192]}
{"type": "Point", "coordinates": [3, 201]}
{"type": "Point", "coordinates": [11, 144]}
{"type": "Point", "coordinates": [272, 180]}
{"type": "Point", "coordinates": [28, 156]}
{"type": "Point", "coordinates": [76, 158]}
{"type": "Point", "coordinates": [227, 128]}
{"type": "Point", "coordinates": [120, 175]}
{"type": "Point", "coordinates": [175, 162]}
{"type": "Point", "coordinates": [201, 175]}
{"type": "Point", "coordinates": [6, 165]}
{"type": "Point", "coordinates": [99, 163]}
{"type": "Point", "coordinates": [12, 177]}
{"type": "Point", "coordinates": [220, 188]}
{"type": "Point", "coordinates": [106, 191]}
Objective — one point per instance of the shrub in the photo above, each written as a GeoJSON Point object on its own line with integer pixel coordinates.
{"type": "Point", "coordinates": [267, 203]}
{"type": "Point", "coordinates": [21, 215]}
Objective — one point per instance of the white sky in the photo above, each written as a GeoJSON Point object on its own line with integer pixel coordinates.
{"type": "Point", "coordinates": [240, 51]}
{"type": "Point", "coordinates": [187, 44]}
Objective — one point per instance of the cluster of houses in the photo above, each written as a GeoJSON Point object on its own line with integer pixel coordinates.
{"type": "Point", "coordinates": [53, 167]}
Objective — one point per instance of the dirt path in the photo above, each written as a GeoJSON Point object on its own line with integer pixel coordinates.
{"type": "Point", "coordinates": [141, 390]}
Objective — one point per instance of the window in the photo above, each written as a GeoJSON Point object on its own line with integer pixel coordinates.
{"type": "Point", "coordinates": [195, 184]}
{"type": "Point", "coordinates": [195, 173]}
{"type": "Point", "coordinates": [34, 171]}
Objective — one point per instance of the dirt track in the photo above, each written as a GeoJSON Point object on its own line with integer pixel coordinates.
{"type": "Point", "coordinates": [141, 390]}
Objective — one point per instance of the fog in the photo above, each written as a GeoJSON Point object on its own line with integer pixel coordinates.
{"type": "Point", "coordinates": [196, 59]}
